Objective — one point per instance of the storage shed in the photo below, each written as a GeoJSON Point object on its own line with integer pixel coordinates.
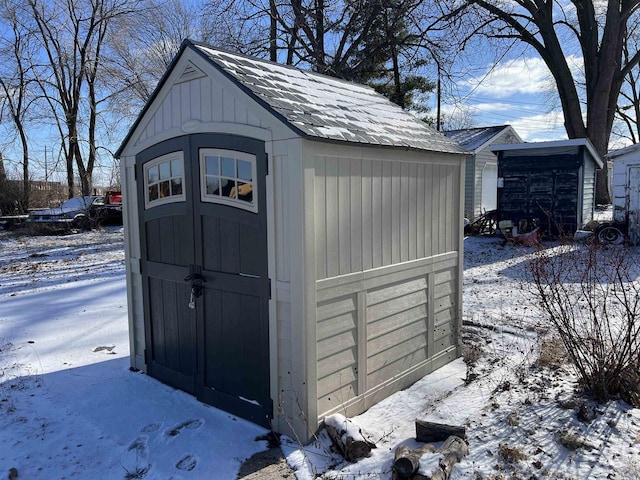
{"type": "Point", "coordinates": [625, 185]}
{"type": "Point", "coordinates": [481, 169]}
{"type": "Point", "coordinates": [548, 184]}
{"type": "Point", "coordinates": [293, 241]}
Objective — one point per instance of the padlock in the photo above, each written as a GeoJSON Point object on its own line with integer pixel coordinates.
{"type": "Point", "coordinates": [192, 300]}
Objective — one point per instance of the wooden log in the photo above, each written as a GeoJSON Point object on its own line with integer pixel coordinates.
{"type": "Point", "coordinates": [427, 432]}
{"type": "Point", "coordinates": [406, 461]}
{"type": "Point", "coordinates": [347, 438]}
{"type": "Point", "coordinates": [451, 451]}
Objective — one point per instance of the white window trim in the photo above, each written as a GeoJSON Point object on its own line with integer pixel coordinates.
{"type": "Point", "coordinates": [179, 155]}
{"type": "Point", "coordinates": [232, 202]}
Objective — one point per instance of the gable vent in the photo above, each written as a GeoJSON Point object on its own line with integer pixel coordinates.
{"type": "Point", "coordinates": [190, 72]}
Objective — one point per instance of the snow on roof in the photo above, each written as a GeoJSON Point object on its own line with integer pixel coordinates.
{"type": "Point", "coordinates": [319, 106]}
{"type": "Point", "coordinates": [470, 139]}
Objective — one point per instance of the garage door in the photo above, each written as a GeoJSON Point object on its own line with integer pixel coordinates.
{"type": "Point", "coordinates": [203, 238]}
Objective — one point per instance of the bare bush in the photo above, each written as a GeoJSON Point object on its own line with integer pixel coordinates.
{"type": "Point", "coordinates": [590, 298]}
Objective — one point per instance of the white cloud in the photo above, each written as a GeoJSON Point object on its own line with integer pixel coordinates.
{"type": "Point", "coordinates": [521, 76]}
{"type": "Point", "coordinates": [540, 127]}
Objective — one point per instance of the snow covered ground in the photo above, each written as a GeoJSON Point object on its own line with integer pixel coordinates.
{"type": "Point", "coordinates": [70, 407]}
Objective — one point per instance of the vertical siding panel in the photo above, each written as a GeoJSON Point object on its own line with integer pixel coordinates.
{"type": "Point", "coordinates": [404, 212]}
{"type": "Point", "coordinates": [368, 207]}
{"type": "Point", "coordinates": [253, 118]}
{"type": "Point", "coordinates": [344, 215]}
{"type": "Point", "coordinates": [428, 210]}
{"type": "Point", "coordinates": [196, 99]}
{"type": "Point", "coordinates": [241, 113]}
{"type": "Point", "coordinates": [321, 218]}
{"type": "Point", "coordinates": [420, 227]}
{"type": "Point", "coordinates": [282, 217]}
{"type": "Point", "coordinates": [176, 107]}
{"type": "Point", "coordinates": [396, 209]}
{"type": "Point", "coordinates": [452, 209]}
{"type": "Point", "coordinates": [205, 97]}
{"type": "Point", "coordinates": [387, 222]}
{"type": "Point", "coordinates": [413, 212]}
{"type": "Point", "coordinates": [228, 107]}
{"type": "Point", "coordinates": [436, 230]}
{"type": "Point", "coordinates": [216, 106]}
{"type": "Point", "coordinates": [185, 102]}
{"type": "Point", "coordinates": [163, 115]}
{"type": "Point", "coordinates": [333, 266]}
{"type": "Point", "coordinates": [446, 203]}
{"type": "Point", "coordinates": [377, 220]}
{"type": "Point", "coordinates": [356, 204]}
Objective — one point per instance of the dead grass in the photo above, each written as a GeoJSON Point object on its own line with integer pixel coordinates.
{"type": "Point", "coordinates": [553, 354]}
{"type": "Point", "coordinates": [512, 454]}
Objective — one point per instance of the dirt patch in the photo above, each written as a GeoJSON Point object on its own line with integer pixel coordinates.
{"type": "Point", "coordinates": [267, 465]}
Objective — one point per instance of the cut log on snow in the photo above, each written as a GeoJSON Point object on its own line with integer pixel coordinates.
{"type": "Point", "coordinates": [428, 462]}
{"type": "Point", "coordinates": [427, 432]}
{"type": "Point", "coordinates": [453, 450]}
{"type": "Point", "coordinates": [406, 461]}
{"type": "Point", "coordinates": [347, 437]}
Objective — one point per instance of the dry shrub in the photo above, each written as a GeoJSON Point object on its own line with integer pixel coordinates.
{"type": "Point", "coordinates": [471, 353]}
{"type": "Point", "coordinates": [592, 301]}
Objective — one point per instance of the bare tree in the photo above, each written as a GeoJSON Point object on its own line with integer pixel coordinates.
{"type": "Point", "coordinates": [15, 84]}
{"type": "Point", "coordinates": [551, 28]}
{"type": "Point", "coordinates": [628, 107]}
{"type": "Point", "coordinates": [71, 34]}
{"type": "Point", "coordinates": [379, 42]}
{"type": "Point", "coordinates": [144, 44]}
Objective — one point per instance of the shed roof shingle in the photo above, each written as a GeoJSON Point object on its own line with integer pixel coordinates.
{"type": "Point", "coordinates": [472, 138]}
{"type": "Point", "coordinates": [324, 107]}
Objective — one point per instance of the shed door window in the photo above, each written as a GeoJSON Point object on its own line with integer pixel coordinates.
{"type": "Point", "coordinates": [164, 180]}
{"type": "Point", "coordinates": [229, 178]}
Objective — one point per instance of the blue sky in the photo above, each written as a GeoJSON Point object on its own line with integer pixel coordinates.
{"type": "Point", "coordinates": [519, 92]}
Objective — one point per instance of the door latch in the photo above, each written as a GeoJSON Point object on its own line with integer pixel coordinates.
{"type": "Point", "coordinates": [196, 280]}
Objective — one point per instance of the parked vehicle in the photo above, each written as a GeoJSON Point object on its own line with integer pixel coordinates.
{"type": "Point", "coordinates": [78, 213]}
{"type": "Point", "coordinates": [109, 212]}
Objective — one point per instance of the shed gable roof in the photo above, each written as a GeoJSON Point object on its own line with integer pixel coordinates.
{"type": "Point", "coordinates": [556, 147]}
{"type": "Point", "coordinates": [323, 107]}
{"type": "Point", "coordinates": [471, 139]}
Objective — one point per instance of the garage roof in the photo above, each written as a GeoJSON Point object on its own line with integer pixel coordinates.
{"type": "Point", "coordinates": [319, 106]}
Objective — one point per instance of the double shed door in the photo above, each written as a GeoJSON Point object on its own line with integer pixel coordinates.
{"type": "Point", "coordinates": [204, 267]}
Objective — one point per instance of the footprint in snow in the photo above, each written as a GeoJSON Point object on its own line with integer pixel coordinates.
{"type": "Point", "coordinates": [140, 446]}
{"type": "Point", "coordinates": [187, 463]}
{"type": "Point", "coordinates": [152, 427]}
{"type": "Point", "coordinates": [189, 424]}
{"type": "Point", "coordinates": [136, 459]}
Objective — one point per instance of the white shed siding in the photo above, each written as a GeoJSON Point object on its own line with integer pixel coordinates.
{"type": "Point", "coordinates": [470, 187]}
{"type": "Point", "coordinates": [620, 186]}
{"type": "Point", "coordinates": [372, 213]}
{"type": "Point", "coordinates": [482, 158]}
{"type": "Point", "coordinates": [387, 270]}
{"type": "Point", "coordinates": [404, 318]}
{"type": "Point", "coordinates": [588, 191]}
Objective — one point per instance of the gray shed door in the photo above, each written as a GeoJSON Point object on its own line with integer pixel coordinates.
{"type": "Point", "coordinates": [203, 235]}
